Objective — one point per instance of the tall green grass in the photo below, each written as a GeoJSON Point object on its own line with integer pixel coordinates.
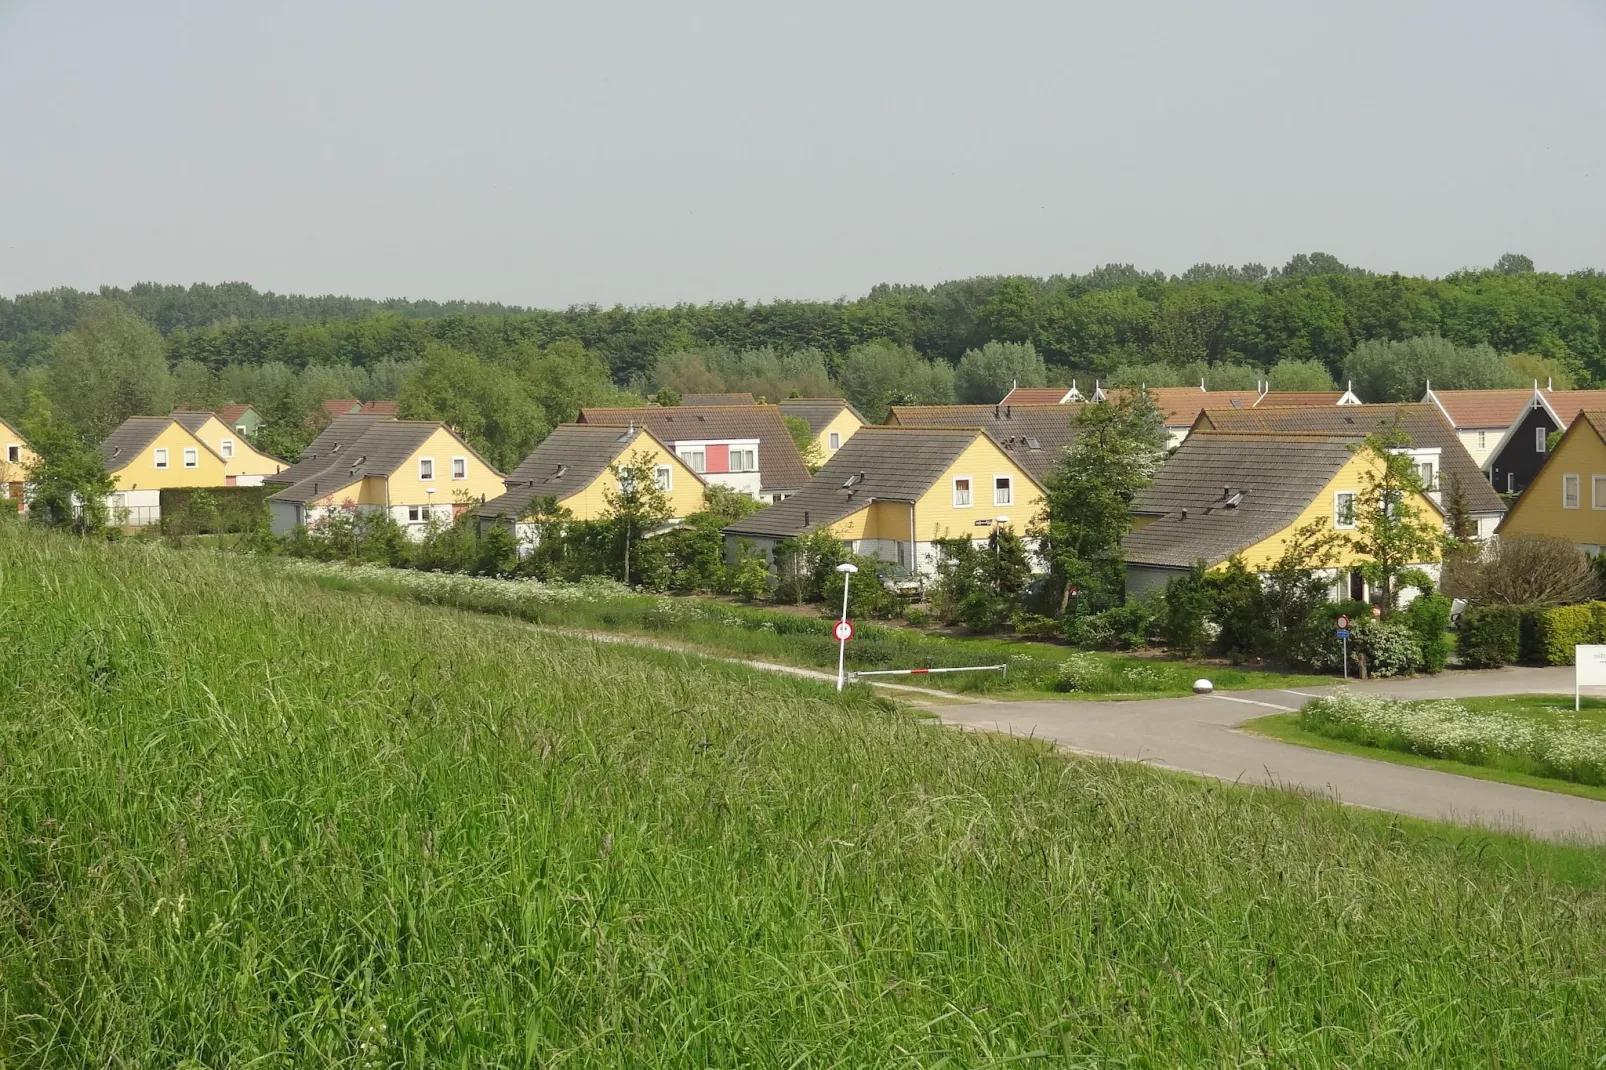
{"type": "Point", "coordinates": [248, 822]}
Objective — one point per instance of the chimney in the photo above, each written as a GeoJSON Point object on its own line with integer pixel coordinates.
{"type": "Point", "coordinates": [805, 518]}
{"type": "Point", "coordinates": [1007, 409]}
{"type": "Point", "coordinates": [995, 412]}
{"type": "Point", "coordinates": [1184, 514]}
{"type": "Point", "coordinates": [1550, 382]}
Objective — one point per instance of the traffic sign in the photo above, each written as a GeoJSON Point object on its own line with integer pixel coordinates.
{"type": "Point", "coordinates": [843, 630]}
{"type": "Point", "coordinates": [1343, 633]}
{"type": "Point", "coordinates": [1073, 590]}
{"type": "Point", "coordinates": [1343, 623]}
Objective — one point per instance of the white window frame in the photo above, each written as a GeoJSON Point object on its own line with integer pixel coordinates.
{"type": "Point", "coordinates": [1432, 479]}
{"type": "Point", "coordinates": [226, 449]}
{"type": "Point", "coordinates": [834, 440]}
{"type": "Point", "coordinates": [1338, 521]}
{"type": "Point", "coordinates": [1483, 440]}
{"type": "Point", "coordinates": [663, 477]}
{"type": "Point", "coordinates": [743, 459]}
{"type": "Point", "coordinates": [426, 469]}
{"type": "Point", "coordinates": [415, 514]}
{"type": "Point", "coordinates": [1511, 482]}
{"type": "Point", "coordinates": [192, 457]}
{"type": "Point", "coordinates": [1571, 479]}
{"type": "Point", "coordinates": [160, 457]}
{"type": "Point", "coordinates": [696, 460]}
{"type": "Point", "coordinates": [459, 464]}
{"type": "Point", "coordinates": [970, 492]}
{"type": "Point", "coordinates": [1540, 434]}
{"type": "Point", "coordinates": [1597, 495]}
{"type": "Point", "coordinates": [1008, 490]}
{"type": "Point", "coordinates": [14, 453]}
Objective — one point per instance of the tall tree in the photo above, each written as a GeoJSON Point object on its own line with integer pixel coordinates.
{"type": "Point", "coordinates": [110, 366]}
{"type": "Point", "coordinates": [637, 506]}
{"type": "Point", "coordinates": [1402, 371]}
{"type": "Point", "coordinates": [1391, 531]}
{"type": "Point", "coordinates": [985, 375]}
{"type": "Point", "coordinates": [485, 403]}
{"type": "Point", "coordinates": [67, 484]}
{"type": "Point", "coordinates": [878, 376]}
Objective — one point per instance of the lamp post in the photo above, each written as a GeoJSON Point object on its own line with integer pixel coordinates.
{"type": "Point", "coordinates": [998, 546]}
{"type": "Point", "coordinates": [847, 569]}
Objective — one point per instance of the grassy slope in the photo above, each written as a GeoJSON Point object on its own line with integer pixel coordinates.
{"type": "Point", "coordinates": [1543, 708]}
{"type": "Point", "coordinates": [249, 820]}
{"type": "Point", "coordinates": [750, 632]}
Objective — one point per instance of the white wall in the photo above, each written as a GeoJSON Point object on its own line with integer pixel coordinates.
{"type": "Point", "coordinates": [134, 508]}
{"type": "Point", "coordinates": [746, 482]}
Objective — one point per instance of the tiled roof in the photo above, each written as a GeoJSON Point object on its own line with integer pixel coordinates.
{"type": "Point", "coordinates": [817, 411]}
{"type": "Point", "coordinates": [1422, 421]}
{"type": "Point", "coordinates": [1180, 405]}
{"type": "Point", "coordinates": [780, 467]}
{"type": "Point", "coordinates": [1567, 404]}
{"type": "Point", "coordinates": [1276, 475]}
{"type": "Point", "coordinates": [1483, 408]}
{"type": "Point", "coordinates": [1036, 436]}
{"type": "Point", "coordinates": [897, 464]}
{"type": "Point", "coordinates": [130, 437]}
{"type": "Point", "coordinates": [1282, 398]}
{"type": "Point", "coordinates": [378, 451]}
{"type": "Point", "coordinates": [564, 463]}
{"type": "Point", "coordinates": [1036, 395]}
{"type": "Point", "coordinates": [230, 414]}
{"type": "Point", "coordinates": [717, 399]}
{"type": "Point", "coordinates": [339, 436]}
{"type": "Point", "coordinates": [377, 408]}
{"type": "Point", "coordinates": [193, 421]}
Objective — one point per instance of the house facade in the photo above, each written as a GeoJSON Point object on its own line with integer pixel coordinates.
{"type": "Point", "coordinates": [417, 471]}
{"type": "Point", "coordinates": [832, 421]}
{"type": "Point", "coordinates": [1567, 496]}
{"type": "Point", "coordinates": [15, 463]}
{"type": "Point", "coordinates": [1521, 451]}
{"type": "Point", "coordinates": [146, 455]}
{"type": "Point", "coordinates": [242, 418]}
{"type": "Point", "coordinates": [744, 447]}
{"type": "Point", "coordinates": [243, 464]}
{"type": "Point", "coordinates": [892, 492]}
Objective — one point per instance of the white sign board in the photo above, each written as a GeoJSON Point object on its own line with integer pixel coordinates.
{"type": "Point", "coordinates": [1589, 668]}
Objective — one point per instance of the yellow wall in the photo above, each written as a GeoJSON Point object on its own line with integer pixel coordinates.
{"type": "Point", "coordinates": [1539, 510]}
{"type": "Point", "coordinates": [247, 459]}
{"type": "Point", "coordinates": [685, 490]}
{"type": "Point", "coordinates": [14, 473]}
{"type": "Point", "coordinates": [369, 491]}
{"type": "Point", "coordinates": [407, 489]}
{"type": "Point", "coordinates": [844, 423]}
{"type": "Point", "coordinates": [140, 471]}
{"type": "Point", "coordinates": [1349, 478]}
{"type": "Point", "coordinates": [936, 516]}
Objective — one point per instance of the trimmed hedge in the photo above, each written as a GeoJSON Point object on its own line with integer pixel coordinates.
{"type": "Point", "coordinates": [213, 510]}
{"type": "Point", "coordinates": [1492, 636]}
{"type": "Point", "coordinates": [1560, 628]}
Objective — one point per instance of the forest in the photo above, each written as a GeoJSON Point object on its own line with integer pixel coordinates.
{"type": "Point", "coordinates": [1309, 324]}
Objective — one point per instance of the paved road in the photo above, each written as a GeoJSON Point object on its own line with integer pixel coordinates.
{"type": "Point", "coordinates": [1199, 735]}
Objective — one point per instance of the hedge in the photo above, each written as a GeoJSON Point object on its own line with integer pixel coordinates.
{"type": "Point", "coordinates": [1560, 628]}
{"type": "Point", "coordinates": [1490, 636]}
{"type": "Point", "coordinates": [211, 510]}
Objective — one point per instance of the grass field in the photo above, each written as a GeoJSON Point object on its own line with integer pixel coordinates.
{"type": "Point", "coordinates": [1035, 668]}
{"type": "Point", "coordinates": [249, 821]}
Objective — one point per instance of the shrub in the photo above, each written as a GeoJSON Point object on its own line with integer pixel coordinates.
{"type": "Point", "coordinates": [1080, 672]}
{"type": "Point", "coordinates": [1560, 628]}
{"type": "Point", "coordinates": [916, 616]}
{"type": "Point", "coordinates": [1389, 646]}
{"type": "Point", "coordinates": [1523, 569]}
{"type": "Point", "coordinates": [1187, 604]}
{"type": "Point", "coordinates": [1238, 609]}
{"type": "Point", "coordinates": [750, 578]}
{"type": "Point", "coordinates": [1488, 637]}
{"type": "Point", "coordinates": [1133, 624]}
{"type": "Point", "coordinates": [1428, 617]}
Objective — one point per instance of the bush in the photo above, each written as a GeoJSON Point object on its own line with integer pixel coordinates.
{"type": "Point", "coordinates": [1488, 637]}
{"type": "Point", "coordinates": [1127, 627]}
{"type": "Point", "coordinates": [1238, 609]}
{"type": "Point", "coordinates": [1428, 617]}
{"type": "Point", "coordinates": [1560, 628]}
{"type": "Point", "coordinates": [1080, 672]}
{"type": "Point", "coordinates": [1389, 646]}
{"type": "Point", "coordinates": [917, 617]}
{"type": "Point", "coordinates": [1187, 604]}
{"type": "Point", "coordinates": [750, 578]}
{"type": "Point", "coordinates": [1532, 569]}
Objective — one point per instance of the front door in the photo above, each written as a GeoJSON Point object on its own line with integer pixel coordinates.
{"type": "Point", "coordinates": [1357, 586]}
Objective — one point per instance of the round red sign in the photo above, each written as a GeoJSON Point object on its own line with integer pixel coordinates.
{"type": "Point", "coordinates": [1343, 621]}
{"type": "Point", "coordinates": [844, 630]}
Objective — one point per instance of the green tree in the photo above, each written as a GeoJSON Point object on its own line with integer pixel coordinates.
{"type": "Point", "coordinates": [1391, 531]}
{"type": "Point", "coordinates": [1300, 375]}
{"type": "Point", "coordinates": [1087, 508]}
{"type": "Point", "coordinates": [563, 378]}
{"type": "Point", "coordinates": [1514, 264]}
{"type": "Point", "coordinates": [729, 505]}
{"type": "Point", "coordinates": [636, 505]}
{"type": "Point", "coordinates": [485, 403]}
{"type": "Point", "coordinates": [1011, 315]}
{"type": "Point", "coordinates": [1401, 371]}
{"type": "Point", "coordinates": [803, 438]}
{"type": "Point", "coordinates": [67, 483]}
{"type": "Point", "coordinates": [110, 366]}
{"type": "Point", "coordinates": [878, 376]}
{"type": "Point", "coordinates": [985, 375]}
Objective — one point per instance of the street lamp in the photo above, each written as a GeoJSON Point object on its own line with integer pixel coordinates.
{"type": "Point", "coordinates": [847, 569]}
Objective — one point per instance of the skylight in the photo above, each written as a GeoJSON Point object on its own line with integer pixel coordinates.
{"type": "Point", "coordinates": [1032, 444]}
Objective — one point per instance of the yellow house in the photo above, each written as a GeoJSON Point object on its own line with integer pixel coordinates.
{"type": "Point", "coordinates": [1568, 496]}
{"type": "Point", "coordinates": [243, 464]}
{"type": "Point", "coordinates": [1230, 493]}
{"type": "Point", "coordinates": [891, 492]}
{"type": "Point", "coordinates": [831, 420]}
{"type": "Point", "coordinates": [15, 462]}
{"type": "Point", "coordinates": [571, 467]}
{"type": "Point", "coordinates": [416, 470]}
{"type": "Point", "coordinates": [146, 455]}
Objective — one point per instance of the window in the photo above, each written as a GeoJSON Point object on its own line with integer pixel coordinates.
{"type": "Point", "coordinates": [1597, 492]}
{"type": "Point", "coordinates": [663, 478]}
{"type": "Point", "coordinates": [1569, 492]}
{"type": "Point", "coordinates": [696, 460]}
{"type": "Point", "coordinates": [426, 468]}
{"type": "Point", "coordinates": [192, 459]}
{"type": "Point", "coordinates": [1424, 472]}
{"type": "Point", "coordinates": [961, 492]}
{"type": "Point", "coordinates": [1003, 490]}
{"type": "Point", "coordinates": [14, 453]}
{"type": "Point", "coordinates": [226, 448]}
{"type": "Point", "coordinates": [744, 460]}
{"type": "Point", "coordinates": [161, 458]}
{"type": "Point", "coordinates": [1511, 482]}
{"type": "Point", "coordinates": [835, 440]}
{"type": "Point", "coordinates": [1483, 440]}
{"type": "Point", "coordinates": [1344, 509]}
{"type": "Point", "coordinates": [459, 467]}
{"type": "Point", "coordinates": [1539, 439]}
{"type": "Point", "coordinates": [414, 514]}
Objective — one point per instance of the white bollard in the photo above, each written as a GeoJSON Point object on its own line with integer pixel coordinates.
{"type": "Point", "coordinates": [1203, 687]}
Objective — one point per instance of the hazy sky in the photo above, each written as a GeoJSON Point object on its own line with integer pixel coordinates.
{"type": "Point", "coordinates": [635, 152]}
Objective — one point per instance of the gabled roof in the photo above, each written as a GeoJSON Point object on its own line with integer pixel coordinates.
{"type": "Point", "coordinates": [1422, 421]}
{"type": "Point", "coordinates": [1036, 436]}
{"type": "Point", "coordinates": [11, 429]}
{"type": "Point", "coordinates": [1180, 405]}
{"type": "Point", "coordinates": [818, 411]}
{"type": "Point", "coordinates": [1588, 421]}
{"type": "Point", "coordinates": [341, 406]}
{"type": "Point", "coordinates": [565, 463]}
{"type": "Point", "coordinates": [230, 414]}
{"type": "Point", "coordinates": [1480, 408]}
{"type": "Point", "coordinates": [1220, 494]}
{"type": "Point", "coordinates": [378, 451]}
{"type": "Point", "coordinates": [717, 399]}
{"type": "Point", "coordinates": [192, 421]}
{"type": "Point", "coordinates": [780, 467]}
{"type": "Point", "coordinates": [377, 408]}
{"type": "Point", "coordinates": [135, 433]}
{"type": "Point", "coordinates": [1284, 398]}
{"type": "Point", "coordinates": [339, 436]}
{"type": "Point", "coordinates": [1040, 395]}
{"type": "Point", "coordinates": [877, 464]}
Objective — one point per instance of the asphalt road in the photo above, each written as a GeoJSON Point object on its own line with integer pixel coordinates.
{"type": "Point", "coordinates": [1199, 734]}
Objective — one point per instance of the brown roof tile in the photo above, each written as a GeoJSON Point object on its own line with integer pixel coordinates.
{"type": "Point", "coordinates": [1036, 436]}
{"type": "Point", "coordinates": [780, 467]}
{"type": "Point", "coordinates": [1483, 408]}
{"type": "Point", "coordinates": [1036, 395]}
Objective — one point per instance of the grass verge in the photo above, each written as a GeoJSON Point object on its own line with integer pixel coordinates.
{"type": "Point", "coordinates": [246, 821]}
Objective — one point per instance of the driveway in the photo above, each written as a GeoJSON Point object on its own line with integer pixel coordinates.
{"type": "Point", "coordinates": [1200, 735]}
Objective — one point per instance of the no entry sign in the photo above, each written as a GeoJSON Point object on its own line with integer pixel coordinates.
{"type": "Point", "coordinates": [1343, 623]}
{"type": "Point", "coordinates": [843, 630]}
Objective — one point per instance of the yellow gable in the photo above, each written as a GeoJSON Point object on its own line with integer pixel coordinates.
{"type": "Point", "coordinates": [1568, 496]}
{"type": "Point", "coordinates": [15, 456]}
{"type": "Point", "coordinates": [842, 425]}
{"type": "Point", "coordinates": [685, 488]}
{"type": "Point", "coordinates": [445, 465]}
{"type": "Point", "coordinates": [239, 457]}
{"type": "Point", "coordinates": [174, 458]}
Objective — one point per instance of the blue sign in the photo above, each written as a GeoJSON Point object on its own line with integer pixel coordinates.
{"type": "Point", "coordinates": [1343, 633]}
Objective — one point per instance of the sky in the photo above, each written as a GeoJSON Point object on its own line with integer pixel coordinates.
{"type": "Point", "coordinates": [647, 153]}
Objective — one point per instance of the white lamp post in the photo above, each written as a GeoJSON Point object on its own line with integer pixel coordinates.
{"type": "Point", "coordinates": [847, 571]}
